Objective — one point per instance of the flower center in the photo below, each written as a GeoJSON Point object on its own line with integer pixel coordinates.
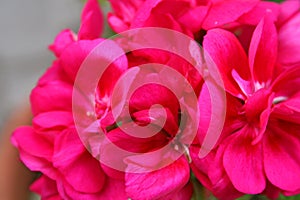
{"type": "Point", "coordinates": [256, 104]}
{"type": "Point", "coordinates": [257, 110]}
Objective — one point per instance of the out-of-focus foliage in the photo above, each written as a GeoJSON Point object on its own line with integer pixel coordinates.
{"type": "Point", "coordinates": [297, 197]}
{"type": "Point", "coordinates": [278, 1]}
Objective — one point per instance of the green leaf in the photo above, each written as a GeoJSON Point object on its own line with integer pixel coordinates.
{"type": "Point", "coordinates": [277, 1]}
{"type": "Point", "coordinates": [297, 197]}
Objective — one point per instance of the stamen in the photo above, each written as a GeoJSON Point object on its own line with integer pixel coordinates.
{"type": "Point", "coordinates": [279, 99]}
{"type": "Point", "coordinates": [187, 153]}
{"type": "Point", "coordinates": [90, 114]}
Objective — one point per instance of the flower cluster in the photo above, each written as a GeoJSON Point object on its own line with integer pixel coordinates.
{"type": "Point", "coordinates": [255, 45]}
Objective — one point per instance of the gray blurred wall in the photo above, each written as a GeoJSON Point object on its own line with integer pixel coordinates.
{"type": "Point", "coordinates": [26, 30]}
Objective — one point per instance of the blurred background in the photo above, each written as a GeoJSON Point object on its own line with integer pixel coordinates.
{"type": "Point", "coordinates": [26, 30]}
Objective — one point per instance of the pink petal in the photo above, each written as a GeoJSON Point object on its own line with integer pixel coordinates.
{"type": "Point", "coordinates": [289, 40]}
{"type": "Point", "coordinates": [80, 169]}
{"type": "Point", "coordinates": [151, 94]}
{"type": "Point", "coordinates": [205, 107]}
{"type": "Point", "coordinates": [124, 13]}
{"type": "Point", "coordinates": [200, 166]}
{"type": "Point", "coordinates": [259, 11]}
{"type": "Point", "coordinates": [287, 10]}
{"type": "Point", "coordinates": [55, 95]}
{"type": "Point", "coordinates": [293, 102]}
{"type": "Point", "coordinates": [287, 83]}
{"type": "Point", "coordinates": [91, 21]}
{"type": "Point", "coordinates": [210, 172]}
{"type": "Point", "coordinates": [113, 173]}
{"type": "Point", "coordinates": [228, 54]}
{"type": "Point", "coordinates": [194, 18]}
{"type": "Point", "coordinates": [72, 59]}
{"type": "Point", "coordinates": [222, 187]}
{"type": "Point", "coordinates": [170, 126]}
{"type": "Point", "coordinates": [263, 51]}
{"type": "Point", "coordinates": [74, 55]}
{"type": "Point", "coordinates": [223, 12]}
{"type": "Point", "coordinates": [46, 187]}
{"type": "Point", "coordinates": [117, 24]}
{"type": "Point", "coordinates": [68, 147]}
{"type": "Point", "coordinates": [111, 75]}
{"type": "Point", "coordinates": [55, 120]}
{"type": "Point", "coordinates": [164, 21]}
{"type": "Point", "coordinates": [284, 112]}
{"type": "Point", "coordinates": [64, 39]}
{"type": "Point", "coordinates": [288, 110]}
{"type": "Point", "coordinates": [234, 121]}
{"type": "Point", "coordinates": [293, 193]}
{"type": "Point", "coordinates": [134, 144]}
{"type": "Point", "coordinates": [85, 174]}
{"type": "Point", "coordinates": [54, 73]}
{"type": "Point", "coordinates": [281, 156]}
{"type": "Point", "coordinates": [212, 107]}
{"type": "Point", "coordinates": [157, 184]}
{"type": "Point", "coordinates": [27, 140]}
{"type": "Point", "coordinates": [35, 150]}
{"type": "Point", "coordinates": [143, 13]}
{"type": "Point", "coordinates": [257, 104]}
{"type": "Point", "coordinates": [184, 194]}
{"type": "Point", "coordinates": [243, 163]}
{"type": "Point", "coordinates": [114, 190]}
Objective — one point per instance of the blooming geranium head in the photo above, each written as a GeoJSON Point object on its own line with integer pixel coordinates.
{"type": "Point", "coordinates": [191, 17]}
{"type": "Point", "coordinates": [258, 139]}
{"type": "Point", "coordinates": [129, 132]}
{"type": "Point", "coordinates": [120, 114]}
{"type": "Point", "coordinates": [65, 158]}
{"type": "Point", "coordinates": [51, 145]}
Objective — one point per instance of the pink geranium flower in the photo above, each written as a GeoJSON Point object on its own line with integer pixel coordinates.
{"type": "Point", "coordinates": [52, 145]}
{"type": "Point", "coordinates": [190, 17]}
{"type": "Point", "coordinates": [257, 149]}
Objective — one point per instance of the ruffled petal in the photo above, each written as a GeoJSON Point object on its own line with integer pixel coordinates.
{"type": "Point", "coordinates": [79, 168]}
{"type": "Point", "coordinates": [194, 18]}
{"type": "Point", "coordinates": [287, 83]}
{"type": "Point", "coordinates": [62, 40]}
{"type": "Point", "coordinates": [184, 194]}
{"type": "Point", "coordinates": [113, 190]}
{"type": "Point", "coordinates": [281, 156]}
{"type": "Point", "coordinates": [263, 52]}
{"type": "Point", "coordinates": [210, 172]}
{"type": "Point", "coordinates": [68, 148]}
{"type": "Point", "coordinates": [135, 144]}
{"type": "Point", "coordinates": [287, 10]}
{"type": "Point", "coordinates": [223, 12]}
{"type": "Point", "coordinates": [289, 41]}
{"type": "Point", "coordinates": [91, 21]}
{"type": "Point", "coordinates": [56, 120]}
{"type": "Point", "coordinates": [74, 55]}
{"type": "Point", "coordinates": [54, 73]}
{"type": "Point", "coordinates": [288, 110]}
{"type": "Point", "coordinates": [243, 163]}
{"type": "Point", "coordinates": [45, 187]}
{"type": "Point", "coordinates": [228, 55]}
{"type": "Point", "coordinates": [32, 143]}
{"type": "Point", "coordinates": [56, 95]}
{"type": "Point", "coordinates": [36, 150]}
{"type": "Point", "coordinates": [259, 11]}
{"type": "Point", "coordinates": [157, 184]}
{"type": "Point", "coordinates": [124, 13]}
